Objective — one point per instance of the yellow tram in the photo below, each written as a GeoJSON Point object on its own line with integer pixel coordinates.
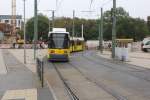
{"type": "Point", "coordinates": [60, 44]}
{"type": "Point", "coordinates": [77, 44]}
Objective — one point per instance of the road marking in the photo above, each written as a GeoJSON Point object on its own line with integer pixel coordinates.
{"type": "Point", "coordinates": [52, 91]}
{"type": "Point", "coordinates": [27, 94]}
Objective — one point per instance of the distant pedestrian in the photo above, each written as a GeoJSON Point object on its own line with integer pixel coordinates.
{"type": "Point", "coordinates": [14, 43]}
{"type": "Point", "coordinates": [109, 45]}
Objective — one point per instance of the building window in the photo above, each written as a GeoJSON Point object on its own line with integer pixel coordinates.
{"type": "Point", "coordinates": [18, 22]}
{"type": "Point", "coordinates": [6, 21]}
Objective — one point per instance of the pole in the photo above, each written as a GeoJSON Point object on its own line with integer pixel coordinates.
{"type": "Point", "coordinates": [101, 32]}
{"type": "Point", "coordinates": [53, 19]}
{"type": "Point", "coordinates": [82, 30]}
{"type": "Point", "coordinates": [35, 27]}
{"type": "Point", "coordinates": [73, 31]}
{"type": "Point", "coordinates": [114, 29]}
{"type": "Point", "coordinates": [24, 33]}
{"type": "Point", "coordinates": [82, 38]}
{"type": "Point", "coordinates": [49, 25]}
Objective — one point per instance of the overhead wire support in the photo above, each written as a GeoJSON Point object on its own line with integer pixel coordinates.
{"type": "Point", "coordinates": [91, 3]}
{"type": "Point", "coordinates": [114, 30]}
{"type": "Point", "coordinates": [106, 3]}
{"type": "Point", "coordinates": [24, 32]}
{"type": "Point", "coordinates": [53, 19]}
{"type": "Point", "coordinates": [101, 32]}
{"type": "Point", "coordinates": [35, 28]}
{"type": "Point", "coordinates": [73, 27]}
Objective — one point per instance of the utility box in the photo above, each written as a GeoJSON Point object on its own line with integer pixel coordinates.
{"type": "Point", "coordinates": [122, 49]}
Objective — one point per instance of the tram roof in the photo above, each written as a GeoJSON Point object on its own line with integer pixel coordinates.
{"type": "Point", "coordinates": [58, 32]}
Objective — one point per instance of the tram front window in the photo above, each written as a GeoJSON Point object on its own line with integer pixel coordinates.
{"type": "Point", "coordinates": [59, 40]}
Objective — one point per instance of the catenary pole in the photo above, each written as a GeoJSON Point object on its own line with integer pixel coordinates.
{"type": "Point", "coordinates": [24, 32]}
{"type": "Point", "coordinates": [73, 29]}
{"type": "Point", "coordinates": [82, 30]}
{"type": "Point", "coordinates": [53, 19]}
{"type": "Point", "coordinates": [114, 29]}
{"type": "Point", "coordinates": [35, 27]}
{"type": "Point", "coordinates": [101, 32]}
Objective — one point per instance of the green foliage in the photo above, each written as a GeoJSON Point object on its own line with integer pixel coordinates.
{"type": "Point", "coordinates": [43, 27]}
{"type": "Point", "coordinates": [127, 27]}
{"type": "Point", "coordinates": [21, 33]}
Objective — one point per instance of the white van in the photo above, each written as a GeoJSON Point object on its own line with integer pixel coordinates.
{"type": "Point", "coordinates": [146, 45]}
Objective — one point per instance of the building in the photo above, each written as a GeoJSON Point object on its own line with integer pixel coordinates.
{"type": "Point", "coordinates": [8, 20]}
{"type": "Point", "coordinates": [6, 28]}
{"type": "Point", "coordinates": [1, 36]}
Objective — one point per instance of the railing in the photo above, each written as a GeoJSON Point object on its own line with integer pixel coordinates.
{"type": "Point", "coordinates": [40, 70]}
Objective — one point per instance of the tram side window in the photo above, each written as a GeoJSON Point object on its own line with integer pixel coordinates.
{"type": "Point", "coordinates": [66, 41]}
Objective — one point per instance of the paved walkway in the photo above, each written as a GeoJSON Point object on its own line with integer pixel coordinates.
{"type": "Point", "coordinates": [20, 82]}
{"type": "Point", "coordinates": [138, 58]}
{"type": "Point", "coordinates": [3, 69]}
{"type": "Point", "coordinates": [30, 62]}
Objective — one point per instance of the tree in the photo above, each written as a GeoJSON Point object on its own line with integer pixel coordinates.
{"type": "Point", "coordinates": [127, 27]}
{"type": "Point", "coordinates": [43, 27]}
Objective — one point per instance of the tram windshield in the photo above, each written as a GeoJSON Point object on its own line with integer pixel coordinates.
{"type": "Point", "coordinates": [59, 41]}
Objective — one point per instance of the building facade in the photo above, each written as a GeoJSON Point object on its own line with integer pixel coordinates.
{"type": "Point", "coordinates": [7, 19]}
{"type": "Point", "coordinates": [6, 28]}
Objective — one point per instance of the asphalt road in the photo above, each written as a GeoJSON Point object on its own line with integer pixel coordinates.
{"type": "Point", "coordinates": [123, 80]}
{"type": "Point", "coordinates": [120, 81]}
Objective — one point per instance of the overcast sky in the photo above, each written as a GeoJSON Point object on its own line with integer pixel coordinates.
{"type": "Point", "coordinates": [136, 8]}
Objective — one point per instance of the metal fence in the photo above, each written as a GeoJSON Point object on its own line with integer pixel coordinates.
{"type": "Point", "coordinates": [40, 70]}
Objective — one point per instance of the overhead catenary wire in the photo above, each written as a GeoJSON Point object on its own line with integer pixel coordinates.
{"type": "Point", "coordinates": [38, 2]}
{"type": "Point", "coordinates": [91, 3]}
{"type": "Point", "coordinates": [105, 3]}
{"type": "Point", "coordinates": [59, 5]}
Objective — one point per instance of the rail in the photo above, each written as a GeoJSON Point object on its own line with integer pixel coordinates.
{"type": "Point", "coordinates": [67, 87]}
{"type": "Point", "coordinates": [40, 70]}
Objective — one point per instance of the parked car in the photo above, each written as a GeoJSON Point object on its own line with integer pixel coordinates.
{"type": "Point", "coordinates": [145, 46]}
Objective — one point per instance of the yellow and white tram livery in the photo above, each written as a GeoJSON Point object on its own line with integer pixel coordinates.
{"type": "Point", "coordinates": [77, 44]}
{"type": "Point", "coordinates": [58, 45]}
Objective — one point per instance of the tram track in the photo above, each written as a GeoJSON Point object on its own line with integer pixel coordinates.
{"type": "Point", "coordinates": [108, 90]}
{"type": "Point", "coordinates": [101, 85]}
{"type": "Point", "coordinates": [98, 83]}
{"type": "Point", "coordinates": [124, 71]}
{"type": "Point", "coordinates": [71, 94]}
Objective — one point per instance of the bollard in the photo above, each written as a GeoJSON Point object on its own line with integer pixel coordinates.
{"type": "Point", "coordinates": [42, 72]}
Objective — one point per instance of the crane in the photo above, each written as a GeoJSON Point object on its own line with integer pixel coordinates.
{"type": "Point", "coordinates": [13, 22]}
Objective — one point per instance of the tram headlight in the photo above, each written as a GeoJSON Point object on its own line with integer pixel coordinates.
{"type": "Point", "coordinates": [52, 51]}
